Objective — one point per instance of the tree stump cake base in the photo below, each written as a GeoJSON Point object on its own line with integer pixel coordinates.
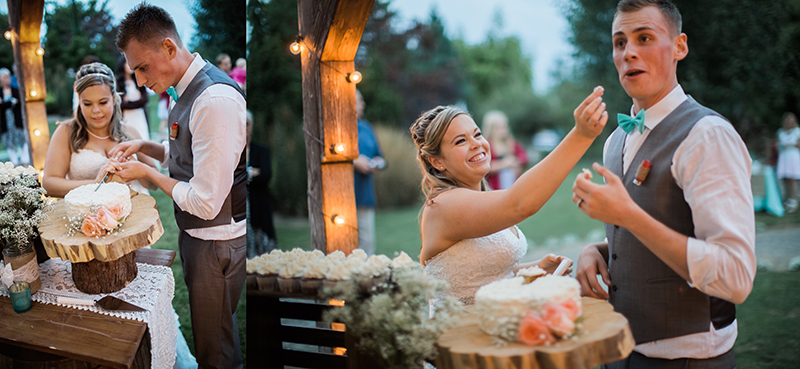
{"type": "Point", "coordinates": [96, 276]}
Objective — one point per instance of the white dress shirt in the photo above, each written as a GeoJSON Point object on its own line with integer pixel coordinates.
{"type": "Point", "coordinates": [712, 167]}
{"type": "Point", "coordinates": [217, 124]}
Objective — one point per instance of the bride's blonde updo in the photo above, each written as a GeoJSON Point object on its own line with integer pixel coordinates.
{"type": "Point", "coordinates": [89, 75]}
{"type": "Point", "coordinates": [428, 132]}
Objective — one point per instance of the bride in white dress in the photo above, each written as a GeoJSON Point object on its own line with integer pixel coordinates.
{"type": "Point", "coordinates": [78, 151]}
{"type": "Point", "coordinates": [469, 234]}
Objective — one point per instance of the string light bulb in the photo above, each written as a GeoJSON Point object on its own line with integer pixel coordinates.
{"type": "Point", "coordinates": [33, 93]}
{"type": "Point", "coordinates": [337, 149]}
{"type": "Point", "coordinates": [336, 219]}
{"type": "Point", "coordinates": [354, 77]}
{"type": "Point", "coordinates": [8, 35]}
{"type": "Point", "coordinates": [37, 132]}
{"type": "Point", "coordinates": [40, 51]}
{"type": "Point", "coordinates": [295, 48]}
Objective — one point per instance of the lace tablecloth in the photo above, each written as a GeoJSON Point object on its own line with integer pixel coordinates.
{"type": "Point", "coordinates": [152, 290]}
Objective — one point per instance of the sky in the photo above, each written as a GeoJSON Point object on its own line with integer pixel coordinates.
{"type": "Point", "coordinates": [179, 9]}
{"type": "Point", "coordinates": [539, 24]}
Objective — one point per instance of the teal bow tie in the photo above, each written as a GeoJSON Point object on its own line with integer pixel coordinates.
{"type": "Point", "coordinates": [171, 92]}
{"type": "Point", "coordinates": [628, 124]}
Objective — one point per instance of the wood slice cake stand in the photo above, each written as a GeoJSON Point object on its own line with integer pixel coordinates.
{"type": "Point", "coordinates": [107, 263]}
{"type": "Point", "coordinates": [604, 337]}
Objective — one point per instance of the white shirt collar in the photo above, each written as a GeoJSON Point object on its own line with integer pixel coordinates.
{"type": "Point", "coordinates": [661, 109]}
{"type": "Point", "coordinates": [197, 64]}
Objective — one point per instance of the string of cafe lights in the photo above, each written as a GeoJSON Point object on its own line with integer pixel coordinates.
{"type": "Point", "coordinates": [337, 149]}
{"type": "Point", "coordinates": [9, 34]}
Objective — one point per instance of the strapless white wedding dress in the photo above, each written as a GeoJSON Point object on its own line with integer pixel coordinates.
{"type": "Point", "coordinates": [472, 263]}
{"type": "Point", "coordinates": [85, 163]}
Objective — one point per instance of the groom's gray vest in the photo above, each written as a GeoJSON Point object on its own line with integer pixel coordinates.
{"type": "Point", "coordinates": [181, 159]}
{"type": "Point", "coordinates": [657, 302]}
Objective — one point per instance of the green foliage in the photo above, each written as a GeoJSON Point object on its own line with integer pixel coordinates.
{"type": "Point", "coordinates": [399, 183]}
{"type": "Point", "coordinates": [275, 98]}
{"type": "Point", "coordinates": [743, 58]}
{"type": "Point", "coordinates": [220, 28]}
{"type": "Point", "coordinates": [74, 31]}
{"type": "Point", "coordinates": [6, 49]}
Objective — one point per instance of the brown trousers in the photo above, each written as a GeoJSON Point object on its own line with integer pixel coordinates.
{"type": "Point", "coordinates": [214, 272]}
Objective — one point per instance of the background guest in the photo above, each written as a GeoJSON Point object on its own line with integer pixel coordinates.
{"type": "Point", "coordinates": [261, 230]}
{"type": "Point", "coordinates": [12, 132]}
{"type": "Point", "coordinates": [370, 160]}
{"type": "Point", "coordinates": [509, 158]}
{"type": "Point", "coordinates": [789, 159]}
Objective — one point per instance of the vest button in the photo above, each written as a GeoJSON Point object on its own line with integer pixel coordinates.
{"type": "Point", "coordinates": [614, 256]}
{"type": "Point", "coordinates": [616, 227]}
{"type": "Point", "coordinates": [614, 288]}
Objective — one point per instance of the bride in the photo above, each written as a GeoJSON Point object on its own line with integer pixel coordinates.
{"type": "Point", "coordinates": [469, 234]}
{"type": "Point", "coordinates": [78, 152]}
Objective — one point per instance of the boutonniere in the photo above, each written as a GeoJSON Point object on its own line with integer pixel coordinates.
{"type": "Point", "coordinates": [641, 173]}
{"type": "Point", "coordinates": [173, 130]}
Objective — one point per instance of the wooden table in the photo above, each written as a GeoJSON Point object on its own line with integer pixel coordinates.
{"type": "Point", "coordinates": [604, 337]}
{"type": "Point", "coordinates": [77, 337]}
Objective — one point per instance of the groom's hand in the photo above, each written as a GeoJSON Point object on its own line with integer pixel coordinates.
{"type": "Point", "coordinates": [124, 150]}
{"type": "Point", "coordinates": [132, 170]}
{"type": "Point", "coordinates": [609, 203]}
{"type": "Point", "coordinates": [590, 264]}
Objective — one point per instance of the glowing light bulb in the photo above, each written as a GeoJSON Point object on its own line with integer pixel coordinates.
{"type": "Point", "coordinates": [354, 77]}
{"type": "Point", "coordinates": [37, 132]}
{"type": "Point", "coordinates": [40, 51]}
{"type": "Point", "coordinates": [336, 219]}
{"type": "Point", "coordinates": [8, 35]}
{"type": "Point", "coordinates": [339, 148]}
{"type": "Point", "coordinates": [33, 93]}
{"type": "Point", "coordinates": [295, 48]}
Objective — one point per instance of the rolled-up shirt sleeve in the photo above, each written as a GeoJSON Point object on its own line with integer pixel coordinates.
{"type": "Point", "coordinates": [712, 166]}
{"type": "Point", "coordinates": [218, 134]}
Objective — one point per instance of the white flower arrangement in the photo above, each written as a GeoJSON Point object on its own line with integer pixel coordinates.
{"type": "Point", "coordinates": [390, 321]}
{"type": "Point", "coordinates": [22, 205]}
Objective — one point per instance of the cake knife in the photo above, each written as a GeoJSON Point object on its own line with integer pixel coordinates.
{"type": "Point", "coordinates": [562, 267]}
{"type": "Point", "coordinates": [105, 178]}
{"type": "Point", "coordinates": [108, 303]}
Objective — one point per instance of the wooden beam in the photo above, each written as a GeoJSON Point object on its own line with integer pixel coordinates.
{"type": "Point", "coordinates": [331, 31]}
{"type": "Point", "coordinates": [25, 18]}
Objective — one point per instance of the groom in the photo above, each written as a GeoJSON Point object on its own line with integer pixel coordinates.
{"type": "Point", "coordinates": [207, 174]}
{"type": "Point", "coordinates": [680, 247]}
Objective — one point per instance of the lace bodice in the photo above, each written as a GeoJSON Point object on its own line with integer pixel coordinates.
{"type": "Point", "coordinates": [85, 164]}
{"type": "Point", "coordinates": [472, 263]}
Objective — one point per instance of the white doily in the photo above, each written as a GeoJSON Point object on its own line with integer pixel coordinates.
{"type": "Point", "coordinates": [152, 290]}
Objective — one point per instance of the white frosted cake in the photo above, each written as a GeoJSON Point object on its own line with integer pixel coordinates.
{"type": "Point", "coordinates": [84, 200]}
{"type": "Point", "coordinates": [501, 305]}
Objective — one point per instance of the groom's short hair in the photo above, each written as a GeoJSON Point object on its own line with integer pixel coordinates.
{"type": "Point", "coordinates": [148, 25]}
{"type": "Point", "coordinates": [667, 8]}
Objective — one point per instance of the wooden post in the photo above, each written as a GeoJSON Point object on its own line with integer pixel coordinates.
{"type": "Point", "coordinates": [25, 18]}
{"type": "Point", "coordinates": [331, 31]}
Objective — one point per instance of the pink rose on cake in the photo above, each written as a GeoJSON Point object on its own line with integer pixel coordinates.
{"type": "Point", "coordinates": [107, 219]}
{"type": "Point", "coordinates": [559, 319]}
{"type": "Point", "coordinates": [91, 226]}
{"type": "Point", "coordinates": [533, 331]}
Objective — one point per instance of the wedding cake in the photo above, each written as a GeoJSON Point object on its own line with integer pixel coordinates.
{"type": "Point", "coordinates": [508, 308]}
{"type": "Point", "coordinates": [84, 199]}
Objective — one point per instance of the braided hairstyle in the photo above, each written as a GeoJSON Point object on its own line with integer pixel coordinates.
{"type": "Point", "coordinates": [88, 75]}
{"type": "Point", "coordinates": [428, 132]}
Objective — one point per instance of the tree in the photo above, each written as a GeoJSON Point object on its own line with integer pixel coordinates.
{"type": "Point", "coordinates": [74, 31]}
{"type": "Point", "coordinates": [6, 49]}
{"type": "Point", "coordinates": [276, 100]}
{"type": "Point", "coordinates": [221, 28]}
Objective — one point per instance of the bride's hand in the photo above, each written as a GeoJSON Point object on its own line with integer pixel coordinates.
{"type": "Point", "coordinates": [551, 261]}
{"type": "Point", "coordinates": [591, 115]}
{"type": "Point", "coordinates": [112, 166]}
